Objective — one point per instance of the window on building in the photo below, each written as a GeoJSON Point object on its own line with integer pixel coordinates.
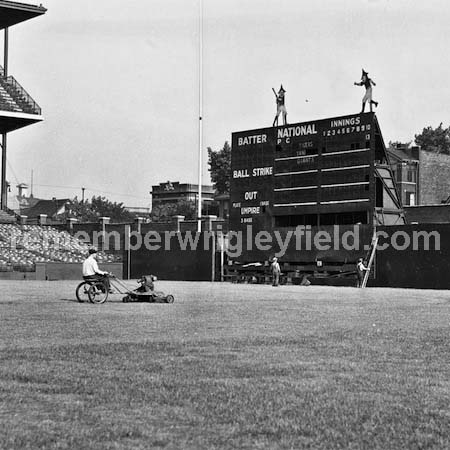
{"type": "Point", "coordinates": [410, 199]}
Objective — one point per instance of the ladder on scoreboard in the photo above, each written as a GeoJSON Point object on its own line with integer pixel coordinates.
{"type": "Point", "coordinates": [371, 252]}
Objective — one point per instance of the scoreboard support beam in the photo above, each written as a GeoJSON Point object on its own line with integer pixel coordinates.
{"type": "Point", "coordinates": [4, 189]}
{"type": "Point", "coordinates": [4, 186]}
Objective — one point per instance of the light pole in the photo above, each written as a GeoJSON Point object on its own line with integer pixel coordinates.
{"type": "Point", "coordinates": [200, 118]}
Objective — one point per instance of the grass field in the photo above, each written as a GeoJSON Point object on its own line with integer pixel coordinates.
{"type": "Point", "coordinates": [225, 367]}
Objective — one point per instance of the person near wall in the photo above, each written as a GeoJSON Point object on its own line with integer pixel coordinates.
{"type": "Point", "coordinates": [361, 269]}
{"type": "Point", "coordinates": [276, 271]}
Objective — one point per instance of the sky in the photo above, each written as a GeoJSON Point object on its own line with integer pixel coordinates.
{"type": "Point", "coordinates": [118, 82]}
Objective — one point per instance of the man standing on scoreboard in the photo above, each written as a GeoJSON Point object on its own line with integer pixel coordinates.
{"type": "Point", "coordinates": [367, 83]}
{"type": "Point", "coordinates": [281, 108]}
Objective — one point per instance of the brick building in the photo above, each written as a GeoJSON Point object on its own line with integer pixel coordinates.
{"type": "Point", "coordinates": [422, 178]}
{"type": "Point", "coordinates": [404, 162]}
{"type": "Point", "coordinates": [434, 178]}
{"type": "Point", "coordinates": [173, 192]}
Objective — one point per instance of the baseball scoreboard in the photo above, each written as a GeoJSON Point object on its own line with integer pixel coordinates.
{"type": "Point", "coordinates": [324, 172]}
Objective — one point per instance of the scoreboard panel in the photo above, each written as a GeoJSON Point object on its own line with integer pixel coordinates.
{"type": "Point", "coordinates": [251, 196]}
{"type": "Point", "coordinates": [319, 173]}
{"type": "Point", "coordinates": [334, 155]}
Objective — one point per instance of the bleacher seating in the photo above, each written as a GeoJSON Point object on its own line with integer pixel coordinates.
{"type": "Point", "coordinates": [7, 103]}
{"type": "Point", "coordinates": [13, 96]}
{"type": "Point", "coordinates": [22, 246]}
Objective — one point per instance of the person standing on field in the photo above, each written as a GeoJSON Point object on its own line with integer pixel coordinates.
{"type": "Point", "coordinates": [276, 271]}
{"type": "Point", "coordinates": [361, 269]}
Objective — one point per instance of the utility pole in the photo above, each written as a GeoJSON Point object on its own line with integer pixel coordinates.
{"type": "Point", "coordinates": [82, 194]}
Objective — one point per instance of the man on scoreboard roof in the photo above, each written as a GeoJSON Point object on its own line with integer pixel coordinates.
{"type": "Point", "coordinates": [281, 108]}
{"type": "Point", "coordinates": [367, 83]}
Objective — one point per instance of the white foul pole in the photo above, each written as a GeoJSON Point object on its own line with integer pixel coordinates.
{"type": "Point", "coordinates": [200, 118]}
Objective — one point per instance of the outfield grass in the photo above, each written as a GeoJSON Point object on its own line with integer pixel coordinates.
{"type": "Point", "coordinates": [225, 367]}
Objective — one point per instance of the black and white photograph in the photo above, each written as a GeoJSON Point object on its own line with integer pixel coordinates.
{"type": "Point", "coordinates": [224, 225]}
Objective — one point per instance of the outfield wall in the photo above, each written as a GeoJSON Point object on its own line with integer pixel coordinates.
{"type": "Point", "coordinates": [400, 265]}
{"type": "Point", "coordinates": [58, 271]}
{"type": "Point", "coordinates": [70, 271]}
{"type": "Point", "coordinates": [172, 262]}
{"type": "Point", "coordinates": [417, 256]}
{"type": "Point", "coordinates": [411, 267]}
{"type": "Point", "coordinates": [14, 275]}
{"type": "Point", "coordinates": [340, 243]}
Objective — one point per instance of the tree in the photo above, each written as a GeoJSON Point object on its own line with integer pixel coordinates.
{"type": "Point", "coordinates": [220, 168]}
{"type": "Point", "coordinates": [81, 211]}
{"type": "Point", "coordinates": [99, 207]}
{"type": "Point", "coordinates": [434, 140]}
{"type": "Point", "coordinates": [102, 207]}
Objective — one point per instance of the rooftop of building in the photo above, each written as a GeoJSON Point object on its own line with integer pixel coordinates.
{"type": "Point", "coordinates": [48, 207]}
{"type": "Point", "coordinates": [404, 153]}
{"type": "Point", "coordinates": [12, 13]}
{"type": "Point", "coordinates": [176, 186]}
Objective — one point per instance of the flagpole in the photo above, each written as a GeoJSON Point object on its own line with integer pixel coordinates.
{"type": "Point", "coordinates": [200, 118]}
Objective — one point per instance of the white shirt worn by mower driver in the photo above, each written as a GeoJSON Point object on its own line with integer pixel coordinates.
{"type": "Point", "coordinates": [90, 267]}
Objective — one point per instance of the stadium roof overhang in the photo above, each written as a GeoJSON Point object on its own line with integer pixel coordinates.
{"type": "Point", "coordinates": [10, 121]}
{"type": "Point", "coordinates": [12, 13]}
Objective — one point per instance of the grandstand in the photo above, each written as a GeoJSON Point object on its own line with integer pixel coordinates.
{"type": "Point", "coordinates": [22, 246]}
{"type": "Point", "coordinates": [17, 107]}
